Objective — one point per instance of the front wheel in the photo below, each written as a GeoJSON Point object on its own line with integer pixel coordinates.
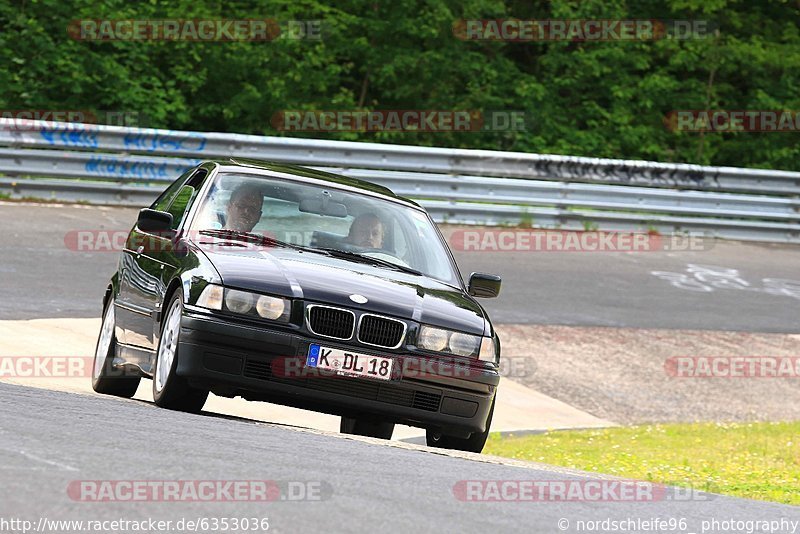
{"type": "Point", "coordinates": [170, 390]}
{"type": "Point", "coordinates": [474, 443]}
{"type": "Point", "coordinates": [366, 427]}
{"type": "Point", "coordinates": [105, 378]}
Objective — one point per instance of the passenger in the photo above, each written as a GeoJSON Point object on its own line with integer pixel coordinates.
{"type": "Point", "coordinates": [366, 231]}
{"type": "Point", "coordinates": [244, 208]}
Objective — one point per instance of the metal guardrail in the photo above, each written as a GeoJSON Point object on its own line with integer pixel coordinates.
{"type": "Point", "coordinates": [456, 185]}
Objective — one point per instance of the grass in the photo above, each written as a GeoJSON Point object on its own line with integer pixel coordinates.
{"type": "Point", "coordinates": [752, 460]}
{"type": "Point", "coordinates": [525, 220]}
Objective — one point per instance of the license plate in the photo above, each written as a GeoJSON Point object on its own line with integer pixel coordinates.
{"type": "Point", "coordinates": [346, 363]}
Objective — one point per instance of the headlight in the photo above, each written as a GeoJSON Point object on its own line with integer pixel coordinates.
{"type": "Point", "coordinates": [270, 307]}
{"type": "Point", "coordinates": [431, 338]}
{"type": "Point", "coordinates": [211, 297]}
{"type": "Point", "coordinates": [487, 353]}
{"type": "Point", "coordinates": [440, 340]}
{"type": "Point", "coordinates": [238, 301]}
{"type": "Point", "coordinates": [463, 344]}
{"type": "Point", "coordinates": [216, 297]}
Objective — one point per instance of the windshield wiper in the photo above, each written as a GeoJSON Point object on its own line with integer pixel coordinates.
{"type": "Point", "coordinates": [335, 252]}
{"type": "Point", "coordinates": [251, 238]}
{"type": "Point", "coordinates": [355, 256]}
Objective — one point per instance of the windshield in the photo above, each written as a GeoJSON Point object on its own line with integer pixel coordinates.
{"type": "Point", "coordinates": [325, 218]}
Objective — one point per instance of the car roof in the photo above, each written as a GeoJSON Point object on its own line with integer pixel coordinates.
{"type": "Point", "coordinates": [269, 168]}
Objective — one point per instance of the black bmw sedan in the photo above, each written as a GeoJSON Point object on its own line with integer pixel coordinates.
{"type": "Point", "coordinates": [288, 285]}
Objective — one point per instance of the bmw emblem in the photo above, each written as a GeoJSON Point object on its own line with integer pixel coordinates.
{"type": "Point", "coordinates": [359, 299]}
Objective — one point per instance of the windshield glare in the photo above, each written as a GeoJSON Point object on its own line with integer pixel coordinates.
{"type": "Point", "coordinates": [324, 217]}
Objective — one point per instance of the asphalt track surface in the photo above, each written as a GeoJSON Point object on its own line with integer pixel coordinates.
{"type": "Point", "coordinates": [40, 277]}
{"type": "Point", "coordinates": [50, 440]}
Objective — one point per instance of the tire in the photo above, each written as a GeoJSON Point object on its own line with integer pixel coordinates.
{"type": "Point", "coordinates": [366, 427]}
{"type": "Point", "coordinates": [106, 379]}
{"type": "Point", "coordinates": [474, 443]}
{"type": "Point", "coordinates": [171, 391]}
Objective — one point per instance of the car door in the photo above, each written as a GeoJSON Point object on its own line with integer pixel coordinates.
{"type": "Point", "coordinates": [158, 263]}
{"type": "Point", "coordinates": [164, 258]}
{"type": "Point", "coordinates": [149, 266]}
{"type": "Point", "coordinates": [132, 279]}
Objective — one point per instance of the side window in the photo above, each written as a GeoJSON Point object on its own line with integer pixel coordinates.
{"type": "Point", "coordinates": [197, 179]}
{"type": "Point", "coordinates": [166, 197]}
{"type": "Point", "coordinates": [183, 199]}
{"type": "Point", "coordinates": [180, 204]}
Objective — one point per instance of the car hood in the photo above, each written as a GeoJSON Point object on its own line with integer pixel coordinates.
{"type": "Point", "coordinates": [324, 279]}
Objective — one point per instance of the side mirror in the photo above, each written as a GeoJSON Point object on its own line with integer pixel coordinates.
{"type": "Point", "coordinates": [484, 285]}
{"type": "Point", "coordinates": [153, 221]}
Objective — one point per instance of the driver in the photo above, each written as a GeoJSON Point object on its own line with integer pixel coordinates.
{"type": "Point", "coordinates": [244, 208]}
{"type": "Point", "coordinates": [366, 231]}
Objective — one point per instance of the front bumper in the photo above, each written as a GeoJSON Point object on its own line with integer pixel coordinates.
{"type": "Point", "coordinates": [235, 359]}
